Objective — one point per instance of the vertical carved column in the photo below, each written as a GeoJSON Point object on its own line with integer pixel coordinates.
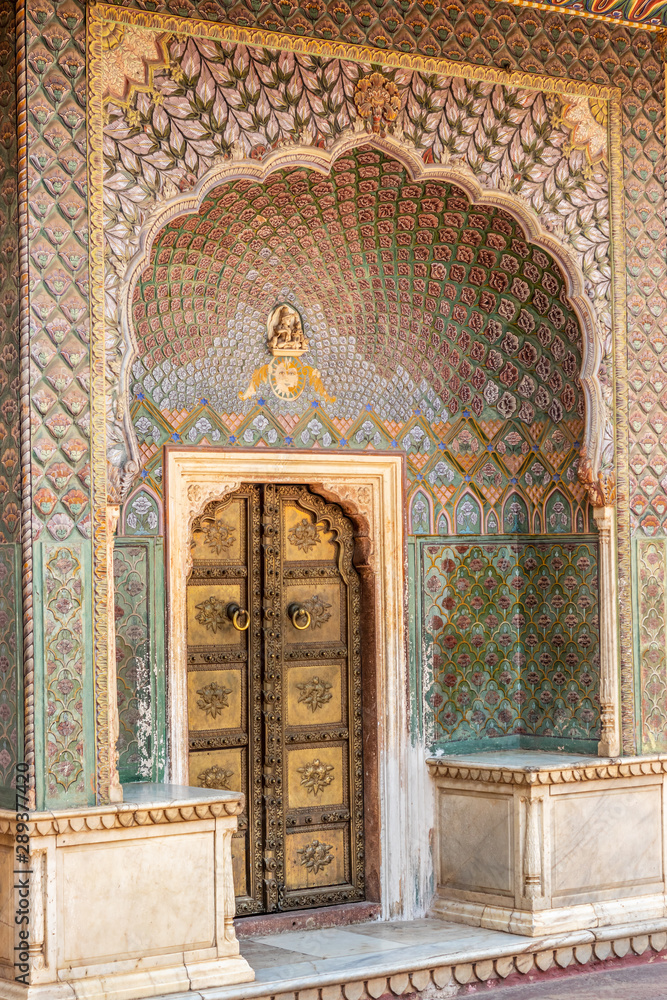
{"type": "Point", "coordinates": [229, 897]}
{"type": "Point", "coordinates": [38, 910]}
{"type": "Point", "coordinates": [532, 855]}
{"type": "Point", "coordinates": [115, 787]}
{"type": "Point", "coordinates": [609, 745]}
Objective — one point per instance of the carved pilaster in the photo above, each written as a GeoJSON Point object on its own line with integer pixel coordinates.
{"type": "Point", "coordinates": [532, 855]}
{"type": "Point", "coordinates": [115, 787]}
{"type": "Point", "coordinates": [609, 745]}
{"type": "Point", "coordinates": [36, 947]}
{"type": "Point", "coordinates": [229, 934]}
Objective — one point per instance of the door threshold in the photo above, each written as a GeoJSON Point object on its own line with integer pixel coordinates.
{"type": "Point", "coordinates": [299, 920]}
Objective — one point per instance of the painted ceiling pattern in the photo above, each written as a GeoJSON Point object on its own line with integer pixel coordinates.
{"type": "Point", "coordinates": [432, 24]}
{"type": "Point", "coordinates": [218, 101]}
{"type": "Point", "coordinates": [511, 639]}
{"type": "Point", "coordinates": [435, 325]}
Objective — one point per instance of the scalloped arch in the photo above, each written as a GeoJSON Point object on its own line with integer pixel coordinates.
{"type": "Point", "coordinates": [322, 161]}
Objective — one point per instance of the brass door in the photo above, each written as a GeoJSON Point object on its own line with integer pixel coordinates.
{"type": "Point", "coordinates": [274, 691]}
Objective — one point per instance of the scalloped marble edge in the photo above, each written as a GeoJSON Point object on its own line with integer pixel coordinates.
{"type": "Point", "coordinates": [448, 978]}
{"type": "Point", "coordinates": [453, 975]}
{"type": "Point", "coordinates": [123, 815]}
{"type": "Point", "coordinates": [442, 976]}
{"type": "Point", "coordinates": [605, 768]}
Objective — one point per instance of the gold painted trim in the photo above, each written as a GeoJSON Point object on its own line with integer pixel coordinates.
{"type": "Point", "coordinates": [552, 8]}
{"type": "Point", "coordinates": [622, 423]}
{"type": "Point", "coordinates": [98, 434]}
{"type": "Point", "coordinates": [101, 13]}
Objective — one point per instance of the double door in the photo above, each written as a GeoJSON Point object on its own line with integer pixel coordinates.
{"type": "Point", "coordinates": [274, 691]}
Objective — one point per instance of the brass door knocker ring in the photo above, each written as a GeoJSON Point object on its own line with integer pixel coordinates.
{"type": "Point", "coordinates": [235, 613]}
{"type": "Point", "coordinates": [297, 612]}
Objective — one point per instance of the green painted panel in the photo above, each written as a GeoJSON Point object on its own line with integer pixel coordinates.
{"type": "Point", "coordinates": [510, 638]}
{"type": "Point", "coordinates": [139, 610]}
{"type": "Point", "coordinates": [11, 686]}
{"type": "Point", "coordinates": [64, 706]}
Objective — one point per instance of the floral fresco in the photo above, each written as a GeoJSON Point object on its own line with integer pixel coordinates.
{"type": "Point", "coordinates": [153, 152]}
{"type": "Point", "coordinates": [511, 639]}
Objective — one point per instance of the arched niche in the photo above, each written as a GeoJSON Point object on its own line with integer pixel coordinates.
{"type": "Point", "coordinates": [431, 178]}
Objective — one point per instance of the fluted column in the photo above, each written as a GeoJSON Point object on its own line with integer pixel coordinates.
{"type": "Point", "coordinates": [609, 745]}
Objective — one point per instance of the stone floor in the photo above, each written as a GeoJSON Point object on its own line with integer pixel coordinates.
{"type": "Point", "coordinates": [431, 959]}
{"type": "Point", "coordinates": [640, 982]}
{"type": "Point", "coordinates": [282, 955]}
{"type": "Point", "coordinates": [299, 961]}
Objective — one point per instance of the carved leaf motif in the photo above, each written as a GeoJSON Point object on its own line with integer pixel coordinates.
{"type": "Point", "coordinates": [315, 693]}
{"type": "Point", "coordinates": [305, 535]}
{"type": "Point", "coordinates": [318, 610]}
{"type": "Point", "coordinates": [316, 776]}
{"type": "Point", "coordinates": [213, 698]}
{"type": "Point", "coordinates": [215, 777]}
{"type": "Point", "coordinates": [316, 856]}
{"type": "Point", "coordinates": [212, 614]}
{"type": "Point", "coordinates": [378, 100]}
{"type": "Point", "coordinates": [219, 536]}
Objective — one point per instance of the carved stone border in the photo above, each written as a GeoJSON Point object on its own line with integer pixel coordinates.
{"type": "Point", "coordinates": [567, 774]}
{"type": "Point", "coordinates": [369, 486]}
{"type": "Point", "coordinates": [43, 824]}
{"type": "Point", "coordinates": [574, 951]}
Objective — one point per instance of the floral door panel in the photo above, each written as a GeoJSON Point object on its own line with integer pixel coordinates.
{"type": "Point", "coordinates": [274, 691]}
{"type": "Point", "coordinates": [321, 688]}
{"type": "Point", "coordinates": [224, 679]}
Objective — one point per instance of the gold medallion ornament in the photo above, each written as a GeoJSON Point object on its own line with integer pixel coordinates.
{"type": "Point", "coordinates": [286, 375]}
{"type": "Point", "coordinates": [378, 102]}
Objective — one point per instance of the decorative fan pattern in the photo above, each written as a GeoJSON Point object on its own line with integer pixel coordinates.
{"type": "Point", "coordinates": [437, 327]}
{"type": "Point", "coordinates": [547, 42]}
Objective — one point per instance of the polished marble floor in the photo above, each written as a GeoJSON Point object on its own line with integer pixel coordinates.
{"type": "Point", "coordinates": [301, 962]}
{"type": "Point", "coordinates": [365, 947]}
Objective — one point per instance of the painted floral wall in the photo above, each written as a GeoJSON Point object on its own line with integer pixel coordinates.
{"type": "Point", "coordinates": [509, 37]}
{"type": "Point", "coordinates": [10, 471]}
{"type": "Point", "coordinates": [59, 402]}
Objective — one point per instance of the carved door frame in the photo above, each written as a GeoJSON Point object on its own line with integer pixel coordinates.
{"type": "Point", "coordinates": [370, 488]}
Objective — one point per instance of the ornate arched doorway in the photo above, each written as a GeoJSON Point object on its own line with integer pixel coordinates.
{"type": "Point", "coordinates": [435, 329]}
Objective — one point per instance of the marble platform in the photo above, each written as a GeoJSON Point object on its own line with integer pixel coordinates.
{"type": "Point", "coordinates": [540, 843]}
{"type": "Point", "coordinates": [429, 958]}
{"type": "Point", "coordinates": [127, 900]}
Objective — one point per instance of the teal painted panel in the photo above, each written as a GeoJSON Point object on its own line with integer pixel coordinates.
{"type": "Point", "coordinates": [139, 610]}
{"type": "Point", "coordinates": [11, 687]}
{"type": "Point", "coordinates": [65, 705]}
{"type": "Point", "coordinates": [510, 638]}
